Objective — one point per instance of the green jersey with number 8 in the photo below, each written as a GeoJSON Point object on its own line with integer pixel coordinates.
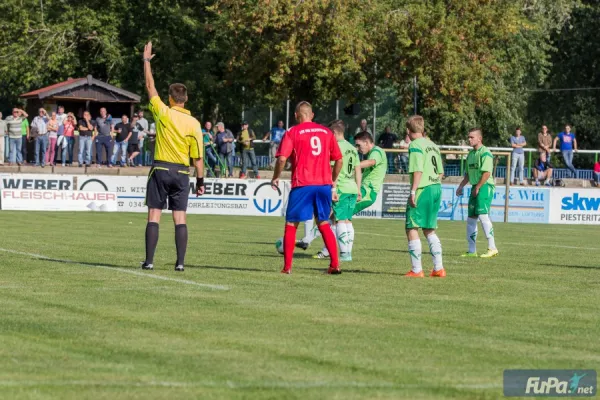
{"type": "Point", "coordinates": [346, 182]}
{"type": "Point", "coordinates": [424, 156]}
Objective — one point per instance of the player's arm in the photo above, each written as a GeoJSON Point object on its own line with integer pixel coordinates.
{"type": "Point", "coordinates": [367, 163]}
{"type": "Point", "coordinates": [336, 156]}
{"type": "Point", "coordinates": [416, 166]}
{"type": "Point", "coordinates": [150, 88]}
{"type": "Point", "coordinates": [358, 179]}
{"type": "Point", "coordinates": [463, 183]}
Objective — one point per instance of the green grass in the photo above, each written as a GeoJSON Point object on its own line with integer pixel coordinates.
{"type": "Point", "coordinates": [70, 330]}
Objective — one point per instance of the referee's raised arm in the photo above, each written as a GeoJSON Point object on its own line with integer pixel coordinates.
{"type": "Point", "coordinates": [178, 138]}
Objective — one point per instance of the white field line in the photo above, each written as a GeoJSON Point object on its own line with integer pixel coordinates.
{"type": "Point", "coordinates": [126, 271]}
{"type": "Point", "coordinates": [242, 385]}
{"type": "Point", "coordinates": [502, 242]}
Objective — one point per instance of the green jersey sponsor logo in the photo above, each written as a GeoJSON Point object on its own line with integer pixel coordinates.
{"type": "Point", "coordinates": [478, 162]}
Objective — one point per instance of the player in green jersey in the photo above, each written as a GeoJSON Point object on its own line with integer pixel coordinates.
{"type": "Point", "coordinates": [345, 195]}
{"type": "Point", "coordinates": [480, 165]}
{"type": "Point", "coordinates": [425, 169]}
{"type": "Point", "coordinates": [374, 168]}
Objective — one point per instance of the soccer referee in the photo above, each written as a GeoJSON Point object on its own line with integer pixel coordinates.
{"type": "Point", "coordinates": [178, 138]}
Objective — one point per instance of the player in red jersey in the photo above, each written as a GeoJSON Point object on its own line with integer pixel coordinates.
{"type": "Point", "coordinates": [311, 148]}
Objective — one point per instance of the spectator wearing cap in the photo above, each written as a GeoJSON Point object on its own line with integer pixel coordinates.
{"type": "Point", "coordinates": [246, 138]}
{"type": "Point", "coordinates": [13, 124]}
{"type": "Point", "coordinates": [225, 146]}
{"type": "Point", "coordinates": [542, 170]}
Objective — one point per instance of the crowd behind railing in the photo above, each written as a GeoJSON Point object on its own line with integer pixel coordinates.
{"type": "Point", "coordinates": [117, 141]}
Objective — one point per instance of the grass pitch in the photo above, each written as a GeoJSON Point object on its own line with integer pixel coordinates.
{"type": "Point", "coordinates": [80, 320]}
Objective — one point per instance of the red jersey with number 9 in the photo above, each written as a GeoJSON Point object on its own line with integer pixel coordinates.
{"type": "Point", "coordinates": [311, 148]}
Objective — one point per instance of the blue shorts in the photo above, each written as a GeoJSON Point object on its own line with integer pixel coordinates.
{"type": "Point", "coordinates": [306, 202]}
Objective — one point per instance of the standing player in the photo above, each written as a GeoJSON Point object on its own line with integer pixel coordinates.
{"type": "Point", "coordinates": [178, 138]}
{"type": "Point", "coordinates": [479, 173]}
{"type": "Point", "coordinates": [425, 169]}
{"type": "Point", "coordinates": [311, 147]}
{"type": "Point", "coordinates": [373, 168]}
{"type": "Point", "coordinates": [344, 200]}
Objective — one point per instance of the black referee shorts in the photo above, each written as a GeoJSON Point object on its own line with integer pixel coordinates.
{"type": "Point", "coordinates": [168, 181]}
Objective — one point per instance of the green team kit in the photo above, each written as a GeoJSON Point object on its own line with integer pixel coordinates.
{"type": "Point", "coordinates": [372, 179]}
{"type": "Point", "coordinates": [346, 183]}
{"type": "Point", "coordinates": [478, 162]}
{"type": "Point", "coordinates": [425, 157]}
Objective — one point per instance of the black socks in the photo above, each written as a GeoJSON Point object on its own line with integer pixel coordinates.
{"type": "Point", "coordinates": [181, 239]}
{"type": "Point", "coordinates": [151, 241]}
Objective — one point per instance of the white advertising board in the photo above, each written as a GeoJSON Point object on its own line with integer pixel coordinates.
{"type": "Point", "coordinates": [57, 200]}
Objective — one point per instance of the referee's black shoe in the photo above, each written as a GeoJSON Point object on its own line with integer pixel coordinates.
{"type": "Point", "coordinates": [179, 268]}
{"type": "Point", "coordinates": [147, 266]}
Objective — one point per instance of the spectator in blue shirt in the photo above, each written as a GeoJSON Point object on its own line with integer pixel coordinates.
{"type": "Point", "coordinates": [542, 170]}
{"type": "Point", "coordinates": [274, 135]}
{"type": "Point", "coordinates": [568, 144]}
{"type": "Point", "coordinates": [518, 156]}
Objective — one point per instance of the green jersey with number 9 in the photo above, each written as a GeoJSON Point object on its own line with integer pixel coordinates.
{"type": "Point", "coordinates": [346, 182]}
{"type": "Point", "coordinates": [424, 156]}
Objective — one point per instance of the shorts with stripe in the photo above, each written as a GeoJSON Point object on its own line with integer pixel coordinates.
{"type": "Point", "coordinates": [168, 182]}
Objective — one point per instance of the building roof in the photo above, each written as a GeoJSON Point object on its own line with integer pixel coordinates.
{"type": "Point", "coordinates": [83, 89]}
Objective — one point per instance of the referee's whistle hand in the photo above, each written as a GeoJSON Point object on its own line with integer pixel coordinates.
{"type": "Point", "coordinates": [200, 191]}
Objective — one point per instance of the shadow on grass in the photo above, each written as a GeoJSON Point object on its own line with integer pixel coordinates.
{"type": "Point", "coordinates": [89, 264]}
{"type": "Point", "coordinates": [222, 268]}
{"type": "Point", "coordinates": [573, 266]}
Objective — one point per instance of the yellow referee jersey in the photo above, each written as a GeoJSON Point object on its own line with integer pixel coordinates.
{"type": "Point", "coordinates": [178, 134]}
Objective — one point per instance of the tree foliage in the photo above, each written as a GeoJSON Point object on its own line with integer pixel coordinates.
{"type": "Point", "coordinates": [474, 60]}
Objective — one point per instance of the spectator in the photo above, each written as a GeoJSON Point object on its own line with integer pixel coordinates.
{"type": "Point", "coordinates": [103, 138]}
{"type": "Point", "coordinates": [68, 139]}
{"type": "Point", "coordinates": [568, 144]}
{"type": "Point", "coordinates": [61, 117]}
{"type": "Point", "coordinates": [274, 135]}
{"type": "Point", "coordinates": [40, 123]}
{"type": "Point", "coordinates": [518, 156]}
{"type": "Point", "coordinates": [597, 173]}
{"type": "Point", "coordinates": [209, 152]}
{"type": "Point", "coordinates": [2, 138]}
{"type": "Point", "coordinates": [542, 170]}
{"type": "Point", "coordinates": [143, 122]}
{"type": "Point", "coordinates": [386, 141]}
{"type": "Point", "coordinates": [403, 158]}
{"type": "Point", "coordinates": [133, 148]}
{"type": "Point", "coordinates": [545, 142]}
{"type": "Point", "coordinates": [87, 129]}
{"type": "Point", "coordinates": [247, 137]}
{"type": "Point", "coordinates": [123, 130]}
{"type": "Point", "coordinates": [25, 138]}
{"type": "Point", "coordinates": [14, 123]}
{"type": "Point", "coordinates": [225, 144]}
{"type": "Point", "coordinates": [150, 144]}
{"type": "Point", "coordinates": [52, 138]}
{"type": "Point", "coordinates": [363, 128]}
